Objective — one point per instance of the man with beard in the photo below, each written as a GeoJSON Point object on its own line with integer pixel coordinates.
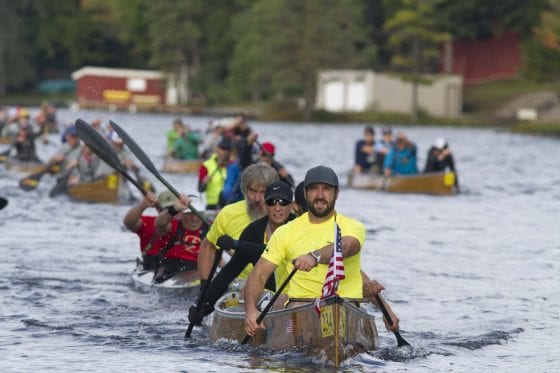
{"type": "Point", "coordinates": [306, 243]}
{"type": "Point", "coordinates": [233, 218]}
{"type": "Point", "coordinates": [248, 249]}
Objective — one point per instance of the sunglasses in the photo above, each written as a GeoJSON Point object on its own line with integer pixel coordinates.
{"type": "Point", "coordinates": [280, 201]}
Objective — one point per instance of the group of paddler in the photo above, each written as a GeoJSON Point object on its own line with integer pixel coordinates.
{"type": "Point", "coordinates": [73, 162]}
{"type": "Point", "coordinates": [394, 157]}
{"type": "Point", "coordinates": [274, 242]}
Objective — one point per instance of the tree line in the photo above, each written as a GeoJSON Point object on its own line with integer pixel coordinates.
{"type": "Point", "coordinates": [259, 50]}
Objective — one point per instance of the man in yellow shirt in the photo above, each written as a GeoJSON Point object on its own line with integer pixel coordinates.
{"type": "Point", "coordinates": [233, 219]}
{"type": "Point", "coordinates": [306, 243]}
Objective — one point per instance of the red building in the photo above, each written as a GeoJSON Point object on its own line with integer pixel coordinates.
{"type": "Point", "coordinates": [486, 60]}
{"type": "Point", "coordinates": [121, 88]}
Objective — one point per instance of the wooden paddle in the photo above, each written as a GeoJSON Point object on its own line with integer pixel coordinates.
{"type": "Point", "coordinates": [271, 303]}
{"type": "Point", "coordinates": [32, 181]}
{"type": "Point", "coordinates": [400, 340]}
{"type": "Point", "coordinates": [145, 160]}
{"type": "Point", "coordinates": [101, 147]}
{"type": "Point", "coordinates": [202, 296]}
{"type": "Point", "coordinates": [3, 202]}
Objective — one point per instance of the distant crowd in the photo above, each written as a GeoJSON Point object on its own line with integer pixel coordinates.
{"type": "Point", "coordinates": [227, 147]}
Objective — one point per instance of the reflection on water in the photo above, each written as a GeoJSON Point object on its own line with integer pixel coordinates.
{"type": "Point", "coordinates": [473, 278]}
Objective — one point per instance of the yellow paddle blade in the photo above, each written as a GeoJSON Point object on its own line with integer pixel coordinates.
{"type": "Point", "coordinates": [30, 182]}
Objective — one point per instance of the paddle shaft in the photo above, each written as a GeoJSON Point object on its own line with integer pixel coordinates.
{"type": "Point", "coordinates": [143, 158]}
{"type": "Point", "coordinates": [400, 340]}
{"type": "Point", "coordinates": [32, 181]}
{"type": "Point", "coordinates": [201, 299]}
{"type": "Point", "coordinates": [271, 303]}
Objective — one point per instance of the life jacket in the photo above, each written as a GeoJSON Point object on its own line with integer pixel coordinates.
{"type": "Point", "coordinates": [216, 182]}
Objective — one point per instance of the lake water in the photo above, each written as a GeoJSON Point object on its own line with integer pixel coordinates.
{"type": "Point", "coordinates": [474, 278]}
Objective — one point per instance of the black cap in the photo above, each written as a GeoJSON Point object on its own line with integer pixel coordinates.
{"type": "Point", "coordinates": [278, 189]}
{"type": "Point", "coordinates": [321, 174]}
{"type": "Point", "coordinates": [225, 143]}
{"type": "Point", "coordinates": [300, 197]}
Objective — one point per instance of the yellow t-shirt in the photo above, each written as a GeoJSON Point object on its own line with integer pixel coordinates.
{"type": "Point", "coordinates": [299, 237]}
{"type": "Point", "coordinates": [231, 220]}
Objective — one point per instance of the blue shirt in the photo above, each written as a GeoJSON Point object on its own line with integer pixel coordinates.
{"type": "Point", "coordinates": [232, 186]}
{"type": "Point", "coordinates": [363, 159]}
{"type": "Point", "coordinates": [402, 161]}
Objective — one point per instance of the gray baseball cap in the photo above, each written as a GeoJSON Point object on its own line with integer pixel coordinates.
{"type": "Point", "coordinates": [321, 174]}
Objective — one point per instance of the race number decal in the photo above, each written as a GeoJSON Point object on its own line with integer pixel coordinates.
{"type": "Point", "coordinates": [327, 321]}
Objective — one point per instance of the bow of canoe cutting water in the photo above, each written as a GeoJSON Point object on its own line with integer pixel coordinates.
{"type": "Point", "coordinates": [474, 278]}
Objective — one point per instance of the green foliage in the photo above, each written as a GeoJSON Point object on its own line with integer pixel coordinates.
{"type": "Point", "coordinates": [270, 51]}
{"type": "Point", "coordinates": [541, 54]}
{"type": "Point", "coordinates": [280, 46]}
{"type": "Point", "coordinates": [484, 18]}
{"type": "Point", "coordinates": [415, 37]}
{"type": "Point", "coordinates": [16, 69]}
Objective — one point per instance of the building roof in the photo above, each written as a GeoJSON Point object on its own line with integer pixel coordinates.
{"type": "Point", "coordinates": [116, 73]}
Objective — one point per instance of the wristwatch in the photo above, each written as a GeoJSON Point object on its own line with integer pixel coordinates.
{"type": "Point", "coordinates": [317, 255]}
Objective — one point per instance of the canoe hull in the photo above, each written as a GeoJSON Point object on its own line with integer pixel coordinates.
{"type": "Point", "coordinates": [16, 165]}
{"type": "Point", "coordinates": [340, 332]}
{"type": "Point", "coordinates": [438, 183]}
{"type": "Point", "coordinates": [6, 140]}
{"type": "Point", "coordinates": [186, 283]}
{"type": "Point", "coordinates": [103, 190]}
{"type": "Point", "coordinates": [178, 166]}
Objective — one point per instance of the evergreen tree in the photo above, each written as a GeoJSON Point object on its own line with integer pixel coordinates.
{"type": "Point", "coordinates": [415, 38]}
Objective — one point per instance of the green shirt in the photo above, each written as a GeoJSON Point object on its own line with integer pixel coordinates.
{"type": "Point", "coordinates": [186, 147]}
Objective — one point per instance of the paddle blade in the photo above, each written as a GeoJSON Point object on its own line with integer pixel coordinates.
{"type": "Point", "coordinates": [400, 340]}
{"type": "Point", "coordinates": [135, 148]}
{"type": "Point", "coordinates": [61, 186]}
{"type": "Point", "coordinates": [31, 182]}
{"type": "Point", "coordinates": [3, 202]}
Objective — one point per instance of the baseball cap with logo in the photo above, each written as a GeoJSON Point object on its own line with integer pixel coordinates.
{"type": "Point", "coordinates": [278, 189]}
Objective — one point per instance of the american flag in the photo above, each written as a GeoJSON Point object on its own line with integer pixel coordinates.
{"type": "Point", "coordinates": [335, 272]}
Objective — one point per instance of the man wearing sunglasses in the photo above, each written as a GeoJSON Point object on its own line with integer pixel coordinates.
{"type": "Point", "coordinates": [233, 219]}
{"type": "Point", "coordinates": [248, 249]}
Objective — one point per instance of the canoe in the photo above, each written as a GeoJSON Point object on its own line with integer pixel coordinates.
{"type": "Point", "coordinates": [17, 165]}
{"type": "Point", "coordinates": [180, 166]}
{"type": "Point", "coordinates": [106, 189]}
{"type": "Point", "coordinates": [185, 283]}
{"type": "Point", "coordinates": [6, 140]}
{"type": "Point", "coordinates": [439, 183]}
{"type": "Point", "coordinates": [341, 331]}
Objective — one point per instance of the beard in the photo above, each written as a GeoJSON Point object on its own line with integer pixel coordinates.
{"type": "Point", "coordinates": [255, 211]}
{"type": "Point", "coordinates": [320, 212]}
